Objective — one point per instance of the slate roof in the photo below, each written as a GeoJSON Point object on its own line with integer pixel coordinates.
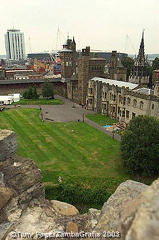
{"type": "Point", "coordinates": [116, 82]}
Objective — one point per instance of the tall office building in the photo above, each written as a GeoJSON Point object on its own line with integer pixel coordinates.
{"type": "Point", "coordinates": [14, 43]}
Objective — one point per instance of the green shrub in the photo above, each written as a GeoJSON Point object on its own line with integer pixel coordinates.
{"type": "Point", "coordinates": [81, 192]}
{"type": "Point", "coordinates": [30, 93]}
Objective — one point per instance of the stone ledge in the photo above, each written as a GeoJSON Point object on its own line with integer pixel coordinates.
{"type": "Point", "coordinates": [8, 144]}
{"type": "Point", "coordinates": [5, 228]}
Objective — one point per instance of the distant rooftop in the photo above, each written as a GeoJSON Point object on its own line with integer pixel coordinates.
{"type": "Point", "coordinates": [116, 83]}
{"type": "Point", "coordinates": [13, 30]}
{"type": "Point", "coordinates": [146, 91]}
{"type": "Point", "coordinates": [65, 50]}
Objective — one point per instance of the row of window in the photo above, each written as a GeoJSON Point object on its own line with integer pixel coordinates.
{"type": "Point", "coordinates": [126, 113]}
{"type": "Point", "coordinates": [94, 68]}
{"type": "Point", "coordinates": [123, 100]}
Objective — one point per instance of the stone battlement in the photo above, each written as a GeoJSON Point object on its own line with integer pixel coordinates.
{"type": "Point", "coordinates": [8, 144]}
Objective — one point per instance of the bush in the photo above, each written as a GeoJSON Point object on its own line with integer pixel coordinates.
{"type": "Point", "coordinates": [30, 93]}
{"type": "Point", "coordinates": [84, 195]}
{"type": "Point", "coordinates": [140, 146]}
{"type": "Point", "coordinates": [47, 90]}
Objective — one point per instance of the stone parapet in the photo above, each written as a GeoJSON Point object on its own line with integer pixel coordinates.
{"type": "Point", "coordinates": [8, 144]}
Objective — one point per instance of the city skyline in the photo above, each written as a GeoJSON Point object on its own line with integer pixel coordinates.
{"type": "Point", "coordinates": [103, 25]}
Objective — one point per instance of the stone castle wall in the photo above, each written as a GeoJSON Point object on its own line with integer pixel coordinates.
{"type": "Point", "coordinates": [60, 88]}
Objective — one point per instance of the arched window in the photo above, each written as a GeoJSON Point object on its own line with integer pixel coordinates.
{"type": "Point", "coordinates": [120, 99]}
{"type": "Point", "coordinates": [153, 106]}
{"type": "Point", "coordinates": [141, 104]}
{"type": "Point", "coordinates": [134, 103]}
{"type": "Point", "coordinates": [128, 101]}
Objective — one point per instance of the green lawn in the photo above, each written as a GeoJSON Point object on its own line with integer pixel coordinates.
{"type": "Point", "coordinates": [101, 119]}
{"type": "Point", "coordinates": [75, 151]}
{"type": "Point", "coordinates": [40, 101]}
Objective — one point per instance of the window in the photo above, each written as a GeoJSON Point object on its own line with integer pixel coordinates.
{"type": "Point", "coordinates": [105, 94]}
{"type": "Point", "coordinates": [153, 106]}
{"type": "Point", "coordinates": [134, 103]}
{"type": "Point", "coordinates": [124, 100]}
{"type": "Point", "coordinates": [133, 115]}
{"type": "Point", "coordinates": [141, 105]}
{"type": "Point", "coordinates": [128, 101]}
{"type": "Point", "coordinates": [127, 114]}
{"type": "Point", "coordinates": [120, 99]}
{"type": "Point", "coordinates": [105, 106]}
{"type": "Point", "coordinates": [123, 113]}
{"type": "Point", "coordinates": [114, 97]}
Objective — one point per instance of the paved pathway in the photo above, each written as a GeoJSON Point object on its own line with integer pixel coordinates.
{"type": "Point", "coordinates": [68, 112]}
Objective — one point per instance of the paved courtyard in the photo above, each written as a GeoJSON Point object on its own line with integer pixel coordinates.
{"type": "Point", "coordinates": [67, 112]}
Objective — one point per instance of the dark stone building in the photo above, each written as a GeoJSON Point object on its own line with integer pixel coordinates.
{"type": "Point", "coordinates": [116, 69]}
{"type": "Point", "coordinates": [68, 57]}
{"type": "Point", "coordinates": [87, 69]}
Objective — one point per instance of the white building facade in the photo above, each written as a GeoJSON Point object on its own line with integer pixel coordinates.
{"type": "Point", "coordinates": [15, 46]}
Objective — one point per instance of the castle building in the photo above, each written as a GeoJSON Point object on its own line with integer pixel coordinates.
{"type": "Point", "coordinates": [87, 69]}
{"type": "Point", "coordinates": [122, 100]}
{"type": "Point", "coordinates": [140, 70]}
{"type": "Point", "coordinates": [116, 69]}
{"type": "Point", "coordinates": [68, 57]}
{"type": "Point", "coordinates": [14, 43]}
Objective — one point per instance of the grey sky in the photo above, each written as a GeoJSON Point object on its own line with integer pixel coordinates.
{"type": "Point", "coordinates": [100, 24]}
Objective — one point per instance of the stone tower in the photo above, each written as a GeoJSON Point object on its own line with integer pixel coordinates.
{"type": "Point", "coordinates": [83, 74]}
{"type": "Point", "coordinates": [68, 56]}
{"type": "Point", "coordinates": [140, 69]}
{"type": "Point", "coordinates": [87, 69]}
{"type": "Point", "coordinates": [116, 69]}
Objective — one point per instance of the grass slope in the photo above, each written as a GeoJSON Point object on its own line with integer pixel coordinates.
{"type": "Point", "coordinates": [101, 119]}
{"type": "Point", "coordinates": [66, 149]}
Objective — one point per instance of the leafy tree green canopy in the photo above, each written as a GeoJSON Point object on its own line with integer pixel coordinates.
{"type": "Point", "coordinates": [47, 90]}
{"type": "Point", "coordinates": [155, 63]}
{"type": "Point", "coordinates": [128, 63]}
{"type": "Point", "coordinates": [30, 93]}
{"type": "Point", "coordinates": [140, 146]}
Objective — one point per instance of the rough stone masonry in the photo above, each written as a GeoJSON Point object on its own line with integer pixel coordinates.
{"type": "Point", "coordinates": [133, 210]}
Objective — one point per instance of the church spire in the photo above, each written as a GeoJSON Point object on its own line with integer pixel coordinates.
{"type": "Point", "coordinates": [141, 60]}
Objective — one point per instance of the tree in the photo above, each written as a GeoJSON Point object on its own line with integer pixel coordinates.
{"type": "Point", "coordinates": [34, 93]}
{"type": "Point", "coordinates": [128, 63]}
{"type": "Point", "coordinates": [155, 64]}
{"type": "Point", "coordinates": [30, 93]}
{"type": "Point", "coordinates": [140, 146]}
{"type": "Point", "coordinates": [47, 90]}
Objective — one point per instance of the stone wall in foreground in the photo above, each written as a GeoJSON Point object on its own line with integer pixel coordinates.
{"type": "Point", "coordinates": [132, 211]}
